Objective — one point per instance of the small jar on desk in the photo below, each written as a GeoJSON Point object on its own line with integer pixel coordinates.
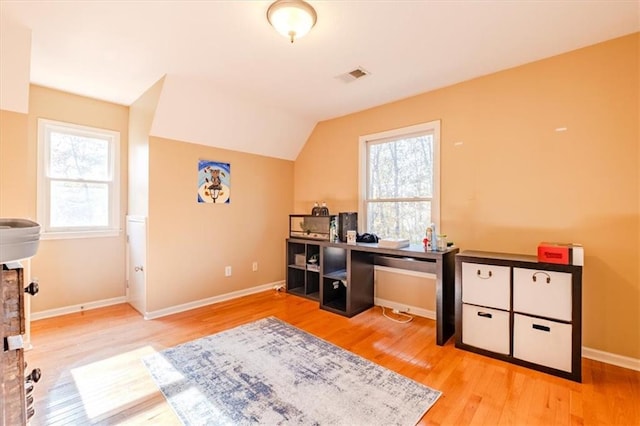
{"type": "Point", "coordinates": [442, 242]}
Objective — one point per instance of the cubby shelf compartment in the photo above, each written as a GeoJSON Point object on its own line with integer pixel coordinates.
{"type": "Point", "coordinates": [338, 306]}
{"type": "Point", "coordinates": [301, 280]}
{"type": "Point", "coordinates": [312, 287]}
{"type": "Point", "coordinates": [334, 294]}
{"type": "Point", "coordinates": [337, 275]}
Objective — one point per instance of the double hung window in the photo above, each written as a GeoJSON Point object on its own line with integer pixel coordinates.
{"type": "Point", "coordinates": [78, 180]}
{"type": "Point", "coordinates": [399, 181]}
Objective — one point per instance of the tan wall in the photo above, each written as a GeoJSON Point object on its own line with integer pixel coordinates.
{"type": "Point", "coordinates": [14, 154]}
{"type": "Point", "coordinates": [191, 243]}
{"type": "Point", "coordinates": [71, 271]}
{"type": "Point", "coordinates": [406, 290]}
{"type": "Point", "coordinates": [514, 181]}
{"type": "Point", "coordinates": [141, 114]}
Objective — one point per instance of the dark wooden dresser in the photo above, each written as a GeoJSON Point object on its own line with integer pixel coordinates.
{"type": "Point", "coordinates": [16, 407]}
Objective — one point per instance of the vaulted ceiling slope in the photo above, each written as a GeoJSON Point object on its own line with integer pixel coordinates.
{"type": "Point", "coordinates": [232, 81]}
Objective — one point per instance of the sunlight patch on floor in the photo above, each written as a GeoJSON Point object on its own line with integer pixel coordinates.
{"type": "Point", "coordinates": [111, 385]}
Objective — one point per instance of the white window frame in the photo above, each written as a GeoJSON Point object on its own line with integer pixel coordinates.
{"type": "Point", "coordinates": [431, 127]}
{"type": "Point", "coordinates": [45, 127]}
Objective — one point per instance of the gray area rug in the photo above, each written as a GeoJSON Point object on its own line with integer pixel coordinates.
{"type": "Point", "coordinates": [269, 372]}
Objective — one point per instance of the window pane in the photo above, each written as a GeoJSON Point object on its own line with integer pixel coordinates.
{"type": "Point", "coordinates": [78, 204]}
{"type": "Point", "coordinates": [399, 219]}
{"type": "Point", "coordinates": [78, 157]}
{"type": "Point", "coordinates": [401, 168]}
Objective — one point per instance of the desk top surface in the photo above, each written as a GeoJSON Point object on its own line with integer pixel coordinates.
{"type": "Point", "coordinates": [414, 250]}
{"type": "Point", "coordinates": [499, 256]}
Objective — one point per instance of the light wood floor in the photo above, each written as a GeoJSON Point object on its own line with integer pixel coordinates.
{"type": "Point", "coordinates": [92, 373]}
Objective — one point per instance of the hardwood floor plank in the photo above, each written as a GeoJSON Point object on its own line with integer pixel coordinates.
{"type": "Point", "coordinates": [92, 373]}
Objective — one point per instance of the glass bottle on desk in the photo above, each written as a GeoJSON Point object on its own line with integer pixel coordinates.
{"type": "Point", "coordinates": [333, 230]}
{"type": "Point", "coordinates": [324, 210]}
{"type": "Point", "coordinates": [434, 240]}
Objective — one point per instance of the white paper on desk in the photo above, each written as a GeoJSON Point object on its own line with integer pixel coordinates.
{"type": "Point", "coordinates": [393, 242]}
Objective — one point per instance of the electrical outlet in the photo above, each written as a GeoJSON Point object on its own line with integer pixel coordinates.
{"type": "Point", "coordinates": [227, 271]}
{"type": "Point", "coordinates": [254, 267]}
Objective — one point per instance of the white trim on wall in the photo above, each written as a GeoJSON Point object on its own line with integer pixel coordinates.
{"type": "Point", "coordinates": [403, 307]}
{"type": "Point", "coordinates": [77, 308]}
{"type": "Point", "coordinates": [211, 300]}
{"type": "Point", "coordinates": [613, 359]}
{"type": "Point", "coordinates": [159, 313]}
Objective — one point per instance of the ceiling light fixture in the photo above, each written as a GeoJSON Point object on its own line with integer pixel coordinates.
{"type": "Point", "coordinates": [292, 18]}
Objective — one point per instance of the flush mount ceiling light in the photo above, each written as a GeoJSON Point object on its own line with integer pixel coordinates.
{"type": "Point", "coordinates": [292, 18]}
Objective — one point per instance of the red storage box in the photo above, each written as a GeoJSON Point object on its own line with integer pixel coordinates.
{"type": "Point", "coordinates": [561, 253]}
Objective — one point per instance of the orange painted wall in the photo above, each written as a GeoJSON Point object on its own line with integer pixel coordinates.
{"type": "Point", "coordinates": [14, 156]}
{"type": "Point", "coordinates": [191, 243]}
{"type": "Point", "coordinates": [141, 114]}
{"type": "Point", "coordinates": [510, 181]}
{"type": "Point", "coordinates": [74, 271]}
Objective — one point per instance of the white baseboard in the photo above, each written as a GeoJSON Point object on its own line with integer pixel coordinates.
{"type": "Point", "coordinates": [211, 300]}
{"type": "Point", "coordinates": [77, 308]}
{"type": "Point", "coordinates": [613, 359]}
{"type": "Point", "coordinates": [402, 307]}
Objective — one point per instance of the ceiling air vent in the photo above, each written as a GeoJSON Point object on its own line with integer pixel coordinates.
{"type": "Point", "coordinates": [353, 75]}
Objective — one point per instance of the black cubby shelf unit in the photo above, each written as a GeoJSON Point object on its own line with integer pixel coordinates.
{"type": "Point", "coordinates": [513, 308]}
{"type": "Point", "coordinates": [302, 275]}
{"type": "Point", "coordinates": [334, 274]}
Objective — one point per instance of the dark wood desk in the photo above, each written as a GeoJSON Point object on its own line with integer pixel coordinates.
{"type": "Point", "coordinates": [342, 278]}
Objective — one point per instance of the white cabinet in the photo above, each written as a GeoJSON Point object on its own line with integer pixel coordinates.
{"type": "Point", "coordinates": [513, 308]}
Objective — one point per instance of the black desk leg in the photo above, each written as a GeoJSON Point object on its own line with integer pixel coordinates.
{"type": "Point", "coordinates": [445, 298]}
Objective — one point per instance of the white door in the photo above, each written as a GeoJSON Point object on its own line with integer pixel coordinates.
{"type": "Point", "coordinates": [137, 262]}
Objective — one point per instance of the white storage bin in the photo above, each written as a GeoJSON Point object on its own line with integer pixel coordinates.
{"type": "Point", "coordinates": [542, 293]}
{"type": "Point", "coordinates": [485, 328]}
{"type": "Point", "coordinates": [486, 285]}
{"type": "Point", "coordinates": [542, 342]}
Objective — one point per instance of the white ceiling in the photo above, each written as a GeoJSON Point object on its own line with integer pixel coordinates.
{"type": "Point", "coordinates": [115, 50]}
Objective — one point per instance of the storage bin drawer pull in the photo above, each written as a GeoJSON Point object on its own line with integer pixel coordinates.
{"type": "Point", "coordinates": [541, 327]}
{"type": "Point", "coordinates": [534, 278]}
{"type": "Point", "coordinates": [485, 314]}
{"type": "Point", "coordinates": [484, 278]}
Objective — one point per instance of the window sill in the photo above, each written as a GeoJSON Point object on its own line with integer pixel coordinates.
{"type": "Point", "coordinates": [68, 235]}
